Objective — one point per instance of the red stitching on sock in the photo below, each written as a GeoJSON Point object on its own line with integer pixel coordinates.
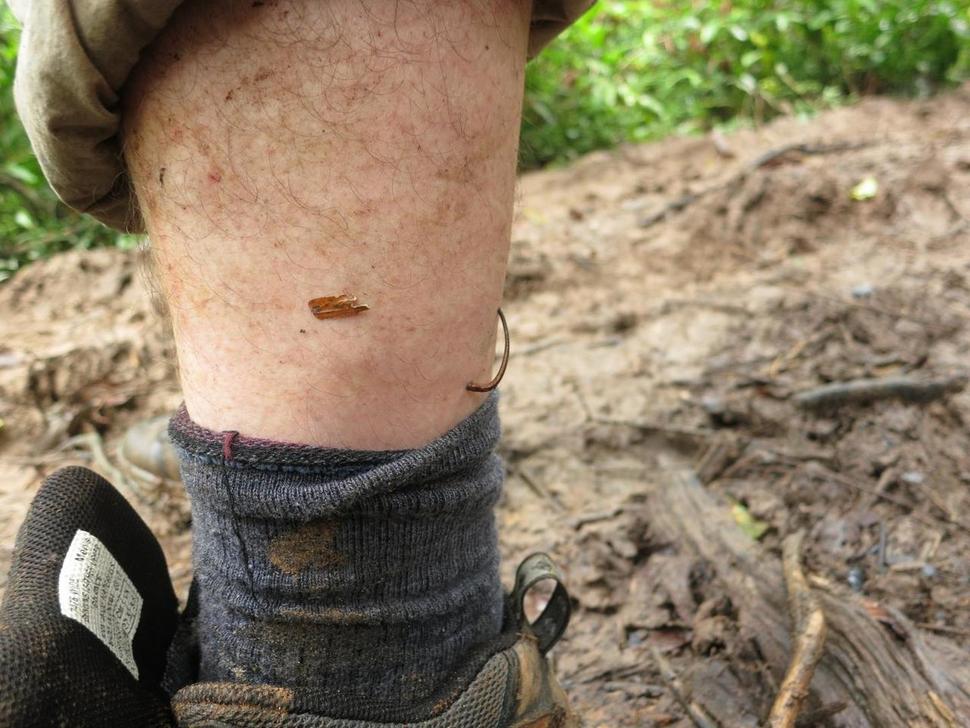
{"type": "Point", "coordinates": [227, 439]}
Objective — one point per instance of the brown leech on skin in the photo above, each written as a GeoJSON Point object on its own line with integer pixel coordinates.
{"type": "Point", "coordinates": [346, 305]}
{"type": "Point", "coordinates": [471, 386]}
{"type": "Point", "coordinates": [336, 306]}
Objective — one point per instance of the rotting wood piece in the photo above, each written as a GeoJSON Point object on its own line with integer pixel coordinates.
{"type": "Point", "coordinates": [885, 681]}
{"type": "Point", "coordinates": [808, 631]}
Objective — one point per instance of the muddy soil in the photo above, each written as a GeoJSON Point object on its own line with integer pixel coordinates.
{"type": "Point", "coordinates": [667, 304]}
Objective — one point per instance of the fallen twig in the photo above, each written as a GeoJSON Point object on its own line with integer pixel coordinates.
{"type": "Point", "coordinates": [539, 346]}
{"type": "Point", "coordinates": [857, 391]}
{"type": "Point", "coordinates": [586, 518]}
{"type": "Point", "coordinates": [835, 477]}
{"type": "Point", "coordinates": [808, 637]}
{"type": "Point", "coordinates": [676, 206]}
{"type": "Point", "coordinates": [718, 457]}
{"type": "Point", "coordinates": [539, 488]}
{"type": "Point", "coordinates": [695, 712]}
{"type": "Point", "coordinates": [763, 160]}
{"type": "Point", "coordinates": [813, 717]}
{"type": "Point", "coordinates": [884, 679]}
{"type": "Point", "coordinates": [614, 672]}
{"type": "Point", "coordinates": [943, 711]}
{"type": "Point", "coordinates": [881, 560]}
{"type": "Point", "coordinates": [773, 155]}
{"type": "Point", "coordinates": [933, 326]}
{"type": "Point", "coordinates": [645, 426]}
{"type": "Point", "coordinates": [944, 629]}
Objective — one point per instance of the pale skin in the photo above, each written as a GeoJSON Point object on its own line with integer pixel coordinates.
{"type": "Point", "coordinates": [285, 151]}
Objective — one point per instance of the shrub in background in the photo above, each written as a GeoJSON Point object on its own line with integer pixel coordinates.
{"type": "Point", "coordinates": [640, 70]}
{"type": "Point", "coordinates": [33, 223]}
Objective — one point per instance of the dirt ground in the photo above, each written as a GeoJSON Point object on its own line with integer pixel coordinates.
{"type": "Point", "coordinates": [666, 304]}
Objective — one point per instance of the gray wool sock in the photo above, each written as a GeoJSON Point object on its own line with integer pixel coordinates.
{"type": "Point", "coordinates": [364, 582]}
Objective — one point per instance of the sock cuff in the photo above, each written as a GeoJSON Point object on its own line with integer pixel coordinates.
{"type": "Point", "coordinates": [478, 429]}
{"type": "Point", "coordinates": [305, 482]}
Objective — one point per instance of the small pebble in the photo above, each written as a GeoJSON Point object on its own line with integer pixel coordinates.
{"type": "Point", "coordinates": [713, 405]}
{"type": "Point", "coordinates": [929, 571]}
{"type": "Point", "coordinates": [862, 290]}
{"type": "Point", "coordinates": [913, 477]}
{"type": "Point", "coordinates": [856, 578]}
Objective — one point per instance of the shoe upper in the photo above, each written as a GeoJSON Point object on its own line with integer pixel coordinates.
{"type": "Point", "coordinates": [90, 633]}
{"type": "Point", "coordinates": [516, 688]}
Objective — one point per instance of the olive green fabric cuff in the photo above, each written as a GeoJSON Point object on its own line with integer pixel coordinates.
{"type": "Point", "coordinates": [75, 56]}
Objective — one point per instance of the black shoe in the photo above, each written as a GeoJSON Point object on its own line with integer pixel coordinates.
{"type": "Point", "coordinates": [88, 614]}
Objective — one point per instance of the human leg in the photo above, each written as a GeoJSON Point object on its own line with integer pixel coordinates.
{"type": "Point", "coordinates": [342, 476]}
{"type": "Point", "coordinates": [289, 151]}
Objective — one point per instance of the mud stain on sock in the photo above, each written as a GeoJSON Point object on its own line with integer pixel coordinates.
{"type": "Point", "coordinates": [310, 545]}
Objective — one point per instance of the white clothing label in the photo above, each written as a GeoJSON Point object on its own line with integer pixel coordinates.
{"type": "Point", "coordinates": [94, 590]}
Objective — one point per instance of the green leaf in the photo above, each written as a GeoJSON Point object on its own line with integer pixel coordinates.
{"type": "Point", "coordinates": [709, 32]}
{"type": "Point", "coordinates": [751, 526]}
{"type": "Point", "coordinates": [23, 219]}
{"type": "Point", "coordinates": [759, 39]}
{"type": "Point", "coordinates": [649, 102]}
{"type": "Point", "coordinates": [747, 83]}
{"type": "Point", "coordinates": [866, 189]}
{"type": "Point", "coordinates": [750, 58]}
{"type": "Point", "coordinates": [21, 173]}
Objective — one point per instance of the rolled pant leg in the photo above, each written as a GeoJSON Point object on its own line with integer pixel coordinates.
{"type": "Point", "coordinates": [74, 58]}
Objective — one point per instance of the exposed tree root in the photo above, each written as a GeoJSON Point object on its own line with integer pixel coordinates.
{"type": "Point", "coordinates": [808, 632]}
{"type": "Point", "coordinates": [887, 678]}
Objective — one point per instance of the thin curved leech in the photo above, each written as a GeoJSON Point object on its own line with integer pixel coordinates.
{"type": "Point", "coordinates": [347, 305]}
{"type": "Point", "coordinates": [471, 386]}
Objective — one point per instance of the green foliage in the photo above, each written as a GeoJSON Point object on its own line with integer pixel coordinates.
{"type": "Point", "coordinates": [33, 223]}
{"type": "Point", "coordinates": [639, 70]}
{"type": "Point", "coordinates": [630, 70]}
